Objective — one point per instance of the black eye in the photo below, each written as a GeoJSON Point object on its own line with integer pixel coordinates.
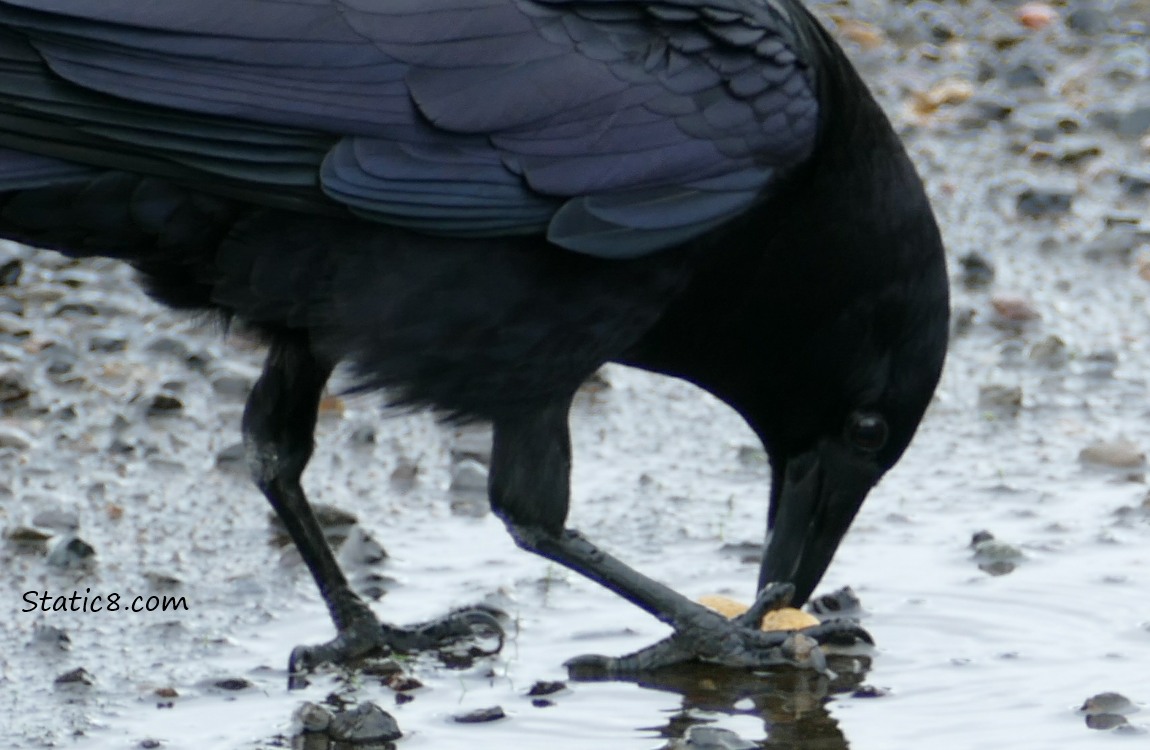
{"type": "Point", "coordinates": [867, 431]}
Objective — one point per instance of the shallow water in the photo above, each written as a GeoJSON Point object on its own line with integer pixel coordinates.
{"type": "Point", "coordinates": [965, 659]}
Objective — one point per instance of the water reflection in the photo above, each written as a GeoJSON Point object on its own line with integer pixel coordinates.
{"type": "Point", "coordinates": [791, 703]}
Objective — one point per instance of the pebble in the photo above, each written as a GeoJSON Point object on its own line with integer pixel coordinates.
{"type": "Point", "coordinates": [704, 737]}
{"type": "Point", "coordinates": [1044, 202]}
{"type": "Point", "coordinates": [405, 475]}
{"type": "Point", "coordinates": [1118, 454]}
{"type": "Point", "coordinates": [56, 518]}
{"type": "Point", "coordinates": [71, 552]}
{"type": "Point", "coordinates": [76, 677]}
{"type": "Point", "coordinates": [311, 717]}
{"type": "Point", "coordinates": [469, 476]}
{"type": "Point", "coordinates": [1116, 242]}
{"type": "Point", "coordinates": [107, 344]}
{"type": "Point", "coordinates": [233, 459]}
{"type": "Point", "coordinates": [474, 442]}
{"type": "Point", "coordinates": [365, 723]}
{"type": "Point", "coordinates": [546, 687]}
{"type": "Point", "coordinates": [1000, 398]}
{"type": "Point", "coordinates": [1035, 15]}
{"type": "Point", "coordinates": [1013, 308]}
{"type": "Point", "coordinates": [14, 438]}
{"type": "Point", "coordinates": [361, 548]}
{"type": "Point", "coordinates": [232, 384]}
{"type": "Point", "coordinates": [1088, 20]}
{"type": "Point", "coordinates": [1050, 352]}
{"type": "Point", "coordinates": [977, 271]}
{"type": "Point", "coordinates": [164, 404]}
{"type": "Point", "coordinates": [10, 272]}
{"type": "Point", "coordinates": [1135, 181]}
{"type": "Point", "coordinates": [13, 386]}
{"type": "Point", "coordinates": [51, 637]}
{"type": "Point", "coordinates": [168, 346]}
{"type": "Point", "coordinates": [1109, 703]}
{"type": "Point", "coordinates": [480, 716]}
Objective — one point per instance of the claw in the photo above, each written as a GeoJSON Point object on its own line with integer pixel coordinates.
{"type": "Point", "coordinates": [368, 636]}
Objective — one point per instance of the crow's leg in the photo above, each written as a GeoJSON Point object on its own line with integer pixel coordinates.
{"type": "Point", "coordinates": [278, 427]}
{"type": "Point", "coordinates": [529, 489]}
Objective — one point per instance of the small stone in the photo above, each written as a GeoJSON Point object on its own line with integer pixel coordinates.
{"type": "Point", "coordinates": [361, 548]}
{"type": "Point", "coordinates": [1088, 20]}
{"type": "Point", "coordinates": [1024, 75]}
{"type": "Point", "coordinates": [1037, 203]}
{"type": "Point", "coordinates": [947, 93]}
{"type": "Point", "coordinates": [149, 744]}
{"type": "Point", "coordinates": [1116, 243]}
{"type": "Point", "coordinates": [311, 717]}
{"type": "Point", "coordinates": [473, 441]}
{"type": "Point", "coordinates": [402, 683]}
{"type": "Point", "coordinates": [1135, 181]}
{"type": "Point", "coordinates": [1013, 308]}
{"type": "Point", "coordinates": [1108, 703]}
{"type": "Point", "coordinates": [13, 386]}
{"type": "Point", "coordinates": [365, 723]}
{"type": "Point", "coordinates": [58, 519]}
{"type": "Point", "coordinates": [1105, 721]}
{"type": "Point", "coordinates": [71, 552]}
{"type": "Point", "coordinates": [232, 385]}
{"type": "Point", "coordinates": [469, 475]}
{"type": "Point", "coordinates": [27, 539]}
{"type": "Point", "coordinates": [1000, 398]}
{"type": "Point", "coordinates": [364, 434]}
{"type": "Point", "coordinates": [75, 310]}
{"type": "Point", "coordinates": [10, 272]}
{"type": "Point", "coordinates": [164, 404]}
{"type": "Point", "coordinates": [705, 737]}
{"type": "Point", "coordinates": [480, 716]}
{"type": "Point", "coordinates": [106, 344]}
{"type": "Point", "coordinates": [977, 271]}
{"type": "Point", "coordinates": [14, 438]}
{"type": "Point", "coordinates": [76, 677]}
{"type": "Point", "coordinates": [1035, 15]}
{"type": "Point", "coordinates": [752, 455]}
{"type": "Point", "coordinates": [1118, 454]}
{"type": "Point", "coordinates": [404, 476]}
{"type": "Point", "coordinates": [166, 345]}
{"type": "Point", "coordinates": [233, 458]}
{"type": "Point", "coordinates": [546, 687]}
{"type": "Point", "coordinates": [1050, 351]}
{"type": "Point", "coordinates": [233, 683]}
{"type": "Point", "coordinates": [51, 637]}
{"type": "Point", "coordinates": [863, 34]}
{"type": "Point", "coordinates": [869, 691]}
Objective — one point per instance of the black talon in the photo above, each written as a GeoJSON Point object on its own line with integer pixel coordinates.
{"type": "Point", "coordinates": [773, 596]}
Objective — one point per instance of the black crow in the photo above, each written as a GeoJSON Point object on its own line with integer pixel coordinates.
{"type": "Point", "coordinates": [477, 203]}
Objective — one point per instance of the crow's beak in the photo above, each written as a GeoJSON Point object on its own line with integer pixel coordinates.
{"type": "Point", "coordinates": [812, 506]}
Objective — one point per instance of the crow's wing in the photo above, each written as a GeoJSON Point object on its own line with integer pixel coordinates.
{"type": "Point", "coordinates": [619, 127]}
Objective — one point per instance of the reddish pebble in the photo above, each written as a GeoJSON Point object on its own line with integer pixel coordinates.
{"type": "Point", "coordinates": [1035, 15]}
{"type": "Point", "coordinates": [1014, 308]}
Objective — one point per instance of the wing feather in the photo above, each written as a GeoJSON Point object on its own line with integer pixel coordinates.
{"type": "Point", "coordinates": [616, 127]}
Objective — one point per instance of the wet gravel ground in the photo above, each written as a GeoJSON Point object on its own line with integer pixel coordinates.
{"type": "Point", "coordinates": [120, 474]}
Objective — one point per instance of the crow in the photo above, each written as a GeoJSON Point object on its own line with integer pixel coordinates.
{"type": "Point", "coordinates": [475, 204]}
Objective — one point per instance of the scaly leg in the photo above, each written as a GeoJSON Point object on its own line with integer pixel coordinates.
{"type": "Point", "coordinates": [278, 426]}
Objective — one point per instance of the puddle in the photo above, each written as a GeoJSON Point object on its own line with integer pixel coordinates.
{"type": "Point", "coordinates": [663, 478]}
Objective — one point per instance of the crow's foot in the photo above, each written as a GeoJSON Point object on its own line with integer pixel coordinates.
{"type": "Point", "coordinates": [461, 634]}
{"type": "Point", "coordinates": [708, 637]}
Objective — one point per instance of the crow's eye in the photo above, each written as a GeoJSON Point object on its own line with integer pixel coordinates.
{"type": "Point", "coordinates": [867, 431]}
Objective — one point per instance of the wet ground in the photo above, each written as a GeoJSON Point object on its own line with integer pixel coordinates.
{"type": "Point", "coordinates": [120, 423]}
